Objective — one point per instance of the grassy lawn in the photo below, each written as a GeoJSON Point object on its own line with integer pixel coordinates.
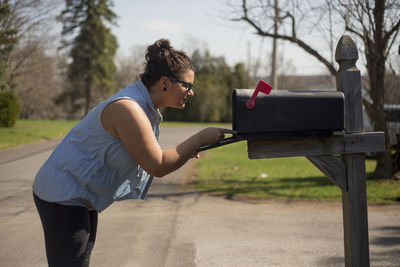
{"type": "Point", "coordinates": [29, 131]}
{"type": "Point", "coordinates": [227, 171]}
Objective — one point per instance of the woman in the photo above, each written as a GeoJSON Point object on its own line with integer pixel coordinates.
{"type": "Point", "coordinates": [113, 154]}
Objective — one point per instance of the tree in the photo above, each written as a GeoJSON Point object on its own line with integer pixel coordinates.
{"type": "Point", "coordinates": [9, 107]}
{"type": "Point", "coordinates": [129, 66]}
{"type": "Point", "coordinates": [375, 23]}
{"type": "Point", "coordinates": [31, 64]}
{"type": "Point", "coordinates": [40, 80]}
{"type": "Point", "coordinates": [92, 51]}
{"type": "Point", "coordinates": [33, 21]}
{"type": "Point", "coordinates": [8, 40]}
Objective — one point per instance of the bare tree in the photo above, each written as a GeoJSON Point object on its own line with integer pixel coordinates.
{"type": "Point", "coordinates": [374, 23]}
{"type": "Point", "coordinates": [33, 63]}
{"type": "Point", "coordinates": [295, 23]}
{"type": "Point", "coordinates": [129, 66]}
{"type": "Point", "coordinates": [38, 83]}
{"type": "Point", "coordinates": [34, 20]}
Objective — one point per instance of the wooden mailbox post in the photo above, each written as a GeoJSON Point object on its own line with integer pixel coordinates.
{"type": "Point", "coordinates": [347, 173]}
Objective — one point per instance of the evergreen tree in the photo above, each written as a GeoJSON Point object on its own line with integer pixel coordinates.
{"type": "Point", "coordinates": [9, 107]}
{"type": "Point", "coordinates": [92, 51]}
{"type": "Point", "coordinates": [8, 40]}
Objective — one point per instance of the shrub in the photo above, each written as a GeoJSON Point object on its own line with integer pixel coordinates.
{"type": "Point", "coordinates": [9, 109]}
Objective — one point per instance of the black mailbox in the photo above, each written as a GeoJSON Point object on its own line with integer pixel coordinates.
{"type": "Point", "coordinates": [285, 113]}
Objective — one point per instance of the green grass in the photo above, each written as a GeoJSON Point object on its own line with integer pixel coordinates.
{"type": "Point", "coordinates": [29, 131]}
{"type": "Point", "coordinates": [227, 171]}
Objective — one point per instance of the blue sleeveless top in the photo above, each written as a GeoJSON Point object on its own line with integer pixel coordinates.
{"type": "Point", "coordinates": [93, 166]}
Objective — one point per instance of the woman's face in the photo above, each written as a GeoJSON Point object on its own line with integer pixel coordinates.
{"type": "Point", "coordinates": [179, 91]}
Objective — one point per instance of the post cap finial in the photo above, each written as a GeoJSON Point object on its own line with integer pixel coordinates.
{"type": "Point", "coordinates": [346, 49]}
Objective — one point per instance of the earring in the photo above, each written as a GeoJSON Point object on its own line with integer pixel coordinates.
{"type": "Point", "coordinates": [165, 89]}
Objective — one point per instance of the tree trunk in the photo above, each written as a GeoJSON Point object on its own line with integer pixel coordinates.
{"type": "Point", "coordinates": [88, 85]}
{"type": "Point", "coordinates": [376, 73]}
{"type": "Point", "coordinates": [384, 166]}
{"type": "Point", "coordinates": [376, 57]}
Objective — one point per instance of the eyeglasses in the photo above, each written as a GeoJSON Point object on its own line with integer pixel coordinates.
{"type": "Point", "coordinates": [188, 86]}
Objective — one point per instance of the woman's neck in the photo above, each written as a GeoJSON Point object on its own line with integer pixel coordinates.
{"type": "Point", "coordinates": [156, 96]}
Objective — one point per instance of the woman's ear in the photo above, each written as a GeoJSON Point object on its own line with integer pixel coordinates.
{"type": "Point", "coordinates": [162, 83]}
{"type": "Point", "coordinates": [164, 80]}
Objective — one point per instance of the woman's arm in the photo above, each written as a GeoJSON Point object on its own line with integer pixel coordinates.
{"type": "Point", "coordinates": [125, 120]}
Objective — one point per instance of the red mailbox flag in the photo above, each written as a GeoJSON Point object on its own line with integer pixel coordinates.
{"type": "Point", "coordinates": [261, 87]}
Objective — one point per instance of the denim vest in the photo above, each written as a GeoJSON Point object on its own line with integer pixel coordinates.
{"type": "Point", "coordinates": [91, 165]}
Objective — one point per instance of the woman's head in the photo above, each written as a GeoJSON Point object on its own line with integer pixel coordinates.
{"type": "Point", "coordinates": [163, 60]}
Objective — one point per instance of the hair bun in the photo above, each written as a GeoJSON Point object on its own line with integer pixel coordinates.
{"type": "Point", "coordinates": [163, 60]}
{"type": "Point", "coordinates": [159, 50]}
{"type": "Point", "coordinates": [164, 44]}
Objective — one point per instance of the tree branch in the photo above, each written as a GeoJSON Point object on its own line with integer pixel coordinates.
{"type": "Point", "coordinates": [393, 30]}
{"type": "Point", "coordinates": [288, 14]}
{"type": "Point", "coordinates": [367, 10]}
{"type": "Point", "coordinates": [292, 39]}
{"type": "Point", "coordinates": [297, 41]}
{"type": "Point", "coordinates": [391, 66]}
{"type": "Point", "coordinates": [349, 29]}
{"type": "Point", "coordinates": [392, 42]}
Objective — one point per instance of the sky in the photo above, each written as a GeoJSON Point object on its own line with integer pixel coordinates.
{"type": "Point", "coordinates": [191, 24]}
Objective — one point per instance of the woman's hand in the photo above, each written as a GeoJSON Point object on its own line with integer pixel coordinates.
{"type": "Point", "coordinates": [212, 135]}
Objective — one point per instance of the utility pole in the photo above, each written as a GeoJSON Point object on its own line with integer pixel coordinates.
{"type": "Point", "coordinates": [248, 63]}
{"type": "Point", "coordinates": [274, 71]}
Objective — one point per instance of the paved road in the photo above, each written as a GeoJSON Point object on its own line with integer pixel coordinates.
{"type": "Point", "coordinates": [173, 227]}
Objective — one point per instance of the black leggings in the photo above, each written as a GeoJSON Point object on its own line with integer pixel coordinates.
{"type": "Point", "coordinates": [69, 233]}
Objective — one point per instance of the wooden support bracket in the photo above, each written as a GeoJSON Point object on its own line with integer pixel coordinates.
{"type": "Point", "coordinates": [332, 167]}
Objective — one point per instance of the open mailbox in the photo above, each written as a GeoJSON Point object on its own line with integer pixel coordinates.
{"type": "Point", "coordinates": [283, 114]}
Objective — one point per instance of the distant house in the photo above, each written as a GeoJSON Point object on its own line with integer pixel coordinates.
{"type": "Point", "coordinates": [392, 114]}
{"type": "Point", "coordinates": [307, 82]}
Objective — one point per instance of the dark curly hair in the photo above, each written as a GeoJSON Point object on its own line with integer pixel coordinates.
{"type": "Point", "coordinates": [163, 60]}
